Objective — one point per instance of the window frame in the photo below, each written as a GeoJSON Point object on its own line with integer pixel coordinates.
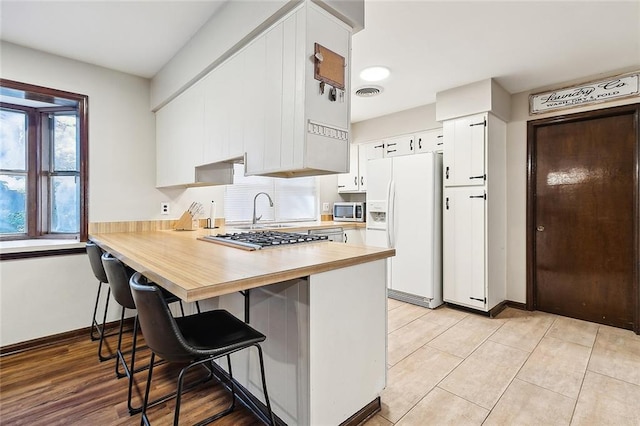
{"type": "Point", "coordinates": [37, 203]}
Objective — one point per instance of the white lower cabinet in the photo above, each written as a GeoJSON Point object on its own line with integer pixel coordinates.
{"type": "Point", "coordinates": [355, 236]}
{"type": "Point", "coordinates": [464, 246]}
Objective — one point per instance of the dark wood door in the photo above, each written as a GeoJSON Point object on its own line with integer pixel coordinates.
{"type": "Point", "coordinates": [584, 214]}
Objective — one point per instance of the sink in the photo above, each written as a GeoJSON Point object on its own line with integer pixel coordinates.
{"type": "Point", "coordinates": [263, 226]}
{"type": "Point", "coordinates": [249, 227]}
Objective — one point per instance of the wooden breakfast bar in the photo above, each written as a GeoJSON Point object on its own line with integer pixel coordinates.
{"type": "Point", "coordinates": [322, 306]}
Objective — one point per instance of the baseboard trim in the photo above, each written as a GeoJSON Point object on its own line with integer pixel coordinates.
{"type": "Point", "coordinates": [364, 414]}
{"type": "Point", "coordinates": [516, 305]}
{"type": "Point", "coordinates": [67, 336]}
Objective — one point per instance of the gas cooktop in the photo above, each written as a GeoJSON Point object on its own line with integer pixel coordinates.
{"type": "Point", "coordinates": [262, 239]}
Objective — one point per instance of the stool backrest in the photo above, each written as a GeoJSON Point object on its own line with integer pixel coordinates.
{"type": "Point", "coordinates": [95, 259]}
{"type": "Point", "coordinates": [118, 280]}
{"type": "Point", "coordinates": [160, 330]}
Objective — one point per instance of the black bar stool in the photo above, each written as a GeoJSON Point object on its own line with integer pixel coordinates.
{"type": "Point", "coordinates": [197, 339]}
{"type": "Point", "coordinates": [118, 275]}
{"type": "Point", "coordinates": [94, 252]}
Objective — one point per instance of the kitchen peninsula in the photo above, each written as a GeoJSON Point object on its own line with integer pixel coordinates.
{"type": "Point", "coordinates": [322, 306]}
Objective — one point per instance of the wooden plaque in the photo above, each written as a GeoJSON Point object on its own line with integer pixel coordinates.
{"type": "Point", "coordinates": [331, 68]}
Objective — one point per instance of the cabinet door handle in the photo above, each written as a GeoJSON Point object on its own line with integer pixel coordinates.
{"type": "Point", "coordinates": [482, 123]}
{"type": "Point", "coordinates": [478, 196]}
{"type": "Point", "coordinates": [411, 145]}
{"type": "Point", "coordinates": [478, 177]}
{"type": "Point", "coordinates": [355, 180]}
{"type": "Point", "coordinates": [379, 146]}
{"type": "Point", "coordinates": [361, 181]}
{"type": "Point", "coordinates": [447, 203]}
{"type": "Point", "coordinates": [390, 150]}
{"type": "Point", "coordinates": [341, 186]}
{"type": "Point", "coordinates": [345, 238]}
{"type": "Point", "coordinates": [479, 300]}
{"type": "Point", "coordinates": [392, 144]}
{"type": "Point", "coordinates": [446, 173]}
{"type": "Point", "coordinates": [419, 143]}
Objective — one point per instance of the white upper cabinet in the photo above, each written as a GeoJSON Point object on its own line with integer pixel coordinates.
{"type": "Point", "coordinates": [429, 141]}
{"type": "Point", "coordinates": [349, 182]}
{"type": "Point", "coordinates": [179, 136]}
{"type": "Point", "coordinates": [306, 127]}
{"type": "Point", "coordinates": [464, 152]}
{"type": "Point", "coordinates": [223, 109]}
{"type": "Point", "coordinates": [264, 104]}
{"type": "Point", "coordinates": [356, 179]}
{"type": "Point", "coordinates": [402, 145]}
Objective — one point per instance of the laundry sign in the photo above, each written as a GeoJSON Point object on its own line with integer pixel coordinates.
{"type": "Point", "coordinates": [598, 91]}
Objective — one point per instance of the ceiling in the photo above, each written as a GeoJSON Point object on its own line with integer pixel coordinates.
{"type": "Point", "coordinates": [429, 46]}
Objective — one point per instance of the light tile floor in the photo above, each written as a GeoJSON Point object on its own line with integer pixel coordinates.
{"type": "Point", "coordinates": [450, 367]}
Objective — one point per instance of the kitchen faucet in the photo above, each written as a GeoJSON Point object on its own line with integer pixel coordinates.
{"type": "Point", "coordinates": [256, 219]}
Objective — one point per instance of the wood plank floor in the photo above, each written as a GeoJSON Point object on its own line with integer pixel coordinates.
{"type": "Point", "coordinates": [65, 384]}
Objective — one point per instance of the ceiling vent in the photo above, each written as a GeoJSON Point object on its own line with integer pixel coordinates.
{"type": "Point", "coordinates": [369, 91]}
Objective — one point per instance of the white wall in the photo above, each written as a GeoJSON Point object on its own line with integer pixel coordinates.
{"type": "Point", "coordinates": [44, 296]}
{"type": "Point", "coordinates": [408, 121]}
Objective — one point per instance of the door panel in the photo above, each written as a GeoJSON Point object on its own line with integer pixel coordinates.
{"type": "Point", "coordinates": [412, 267]}
{"type": "Point", "coordinates": [464, 151]}
{"type": "Point", "coordinates": [584, 218]}
{"type": "Point", "coordinates": [464, 248]}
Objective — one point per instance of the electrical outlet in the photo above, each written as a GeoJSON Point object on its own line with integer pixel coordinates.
{"type": "Point", "coordinates": [164, 208]}
{"type": "Point", "coordinates": [325, 207]}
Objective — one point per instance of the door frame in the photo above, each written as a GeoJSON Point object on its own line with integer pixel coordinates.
{"type": "Point", "coordinates": [531, 197]}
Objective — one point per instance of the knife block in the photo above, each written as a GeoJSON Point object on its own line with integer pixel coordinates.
{"type": "Point", "coordinates": [186, 223]}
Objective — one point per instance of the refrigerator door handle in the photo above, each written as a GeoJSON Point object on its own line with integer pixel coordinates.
{"type": "Point", "coordinates": [391, 215]}
{"type": "Point", "coordinates": [388, 218]}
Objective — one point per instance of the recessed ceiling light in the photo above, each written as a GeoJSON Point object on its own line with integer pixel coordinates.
{"type": "Point", "coordinates": [374, 73]}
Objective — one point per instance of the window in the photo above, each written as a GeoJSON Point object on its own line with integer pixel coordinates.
{"type": "Point", "coordinates": [293, 199]}
{"type": "Point", "coordinates": [43, 152]}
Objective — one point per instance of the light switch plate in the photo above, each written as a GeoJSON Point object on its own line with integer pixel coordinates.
{"type": "Point", "coordinates": [325, 207]}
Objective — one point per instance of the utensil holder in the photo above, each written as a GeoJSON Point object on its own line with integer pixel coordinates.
{"type": "Point", "coordinates": [186, 222]}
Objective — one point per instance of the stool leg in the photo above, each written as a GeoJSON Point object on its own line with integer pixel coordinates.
{"type": "Point", "coordinates": [133, 410]}
{"type": "Point", "coordinates": [119, 356]}
{"type": "Point", "coordinates": [94, 323]}
{"type": "Point", "coordinates": [264, 386]}
{"type": "Point", "coordinates": [144, 421]}
{"type": "Point", "coordinates": [102, 335]}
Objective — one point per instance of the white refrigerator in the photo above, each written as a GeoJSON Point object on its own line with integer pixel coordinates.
{"type": "Point", "coordinates": [404, 198]}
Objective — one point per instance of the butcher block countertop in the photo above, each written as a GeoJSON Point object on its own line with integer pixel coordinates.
{"type": "Point", "coordinates": [194, 270]}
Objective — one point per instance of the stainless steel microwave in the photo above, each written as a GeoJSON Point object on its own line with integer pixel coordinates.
{"type": "Point", "coordinates": [349, 212]}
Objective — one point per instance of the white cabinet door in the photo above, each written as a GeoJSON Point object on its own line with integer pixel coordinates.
{"type": "Point", "coordinates": [464, 151]}
{"type": "Point", "coordinates": [350, 182]}
{"type": "Point", "coordinates": [429, 141]}
{"type": "Point", "coordinates": [367, 151]}
{"type": "Point", "coordinates": [179, 138]}
{"type": "Point", "coordinates": [464, 255]}
{"type": "Point", "coordinates": [254, 111]}
{"type": "Point", "coordinates": [354, 236]}
{"type": "Point", "coordinates": [402, 145]}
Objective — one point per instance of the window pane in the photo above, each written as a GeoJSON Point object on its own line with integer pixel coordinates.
{"type": "Point", "coordinates": [293, 199]}
{"type": "Point", "coordinates": [65, 214]}
{"type": "Point", "coordinates": [13, 204]}
{"type": "Point", "coordinates": [13, 133]}
{"type": "Point", "coordinates": [65, 143]}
